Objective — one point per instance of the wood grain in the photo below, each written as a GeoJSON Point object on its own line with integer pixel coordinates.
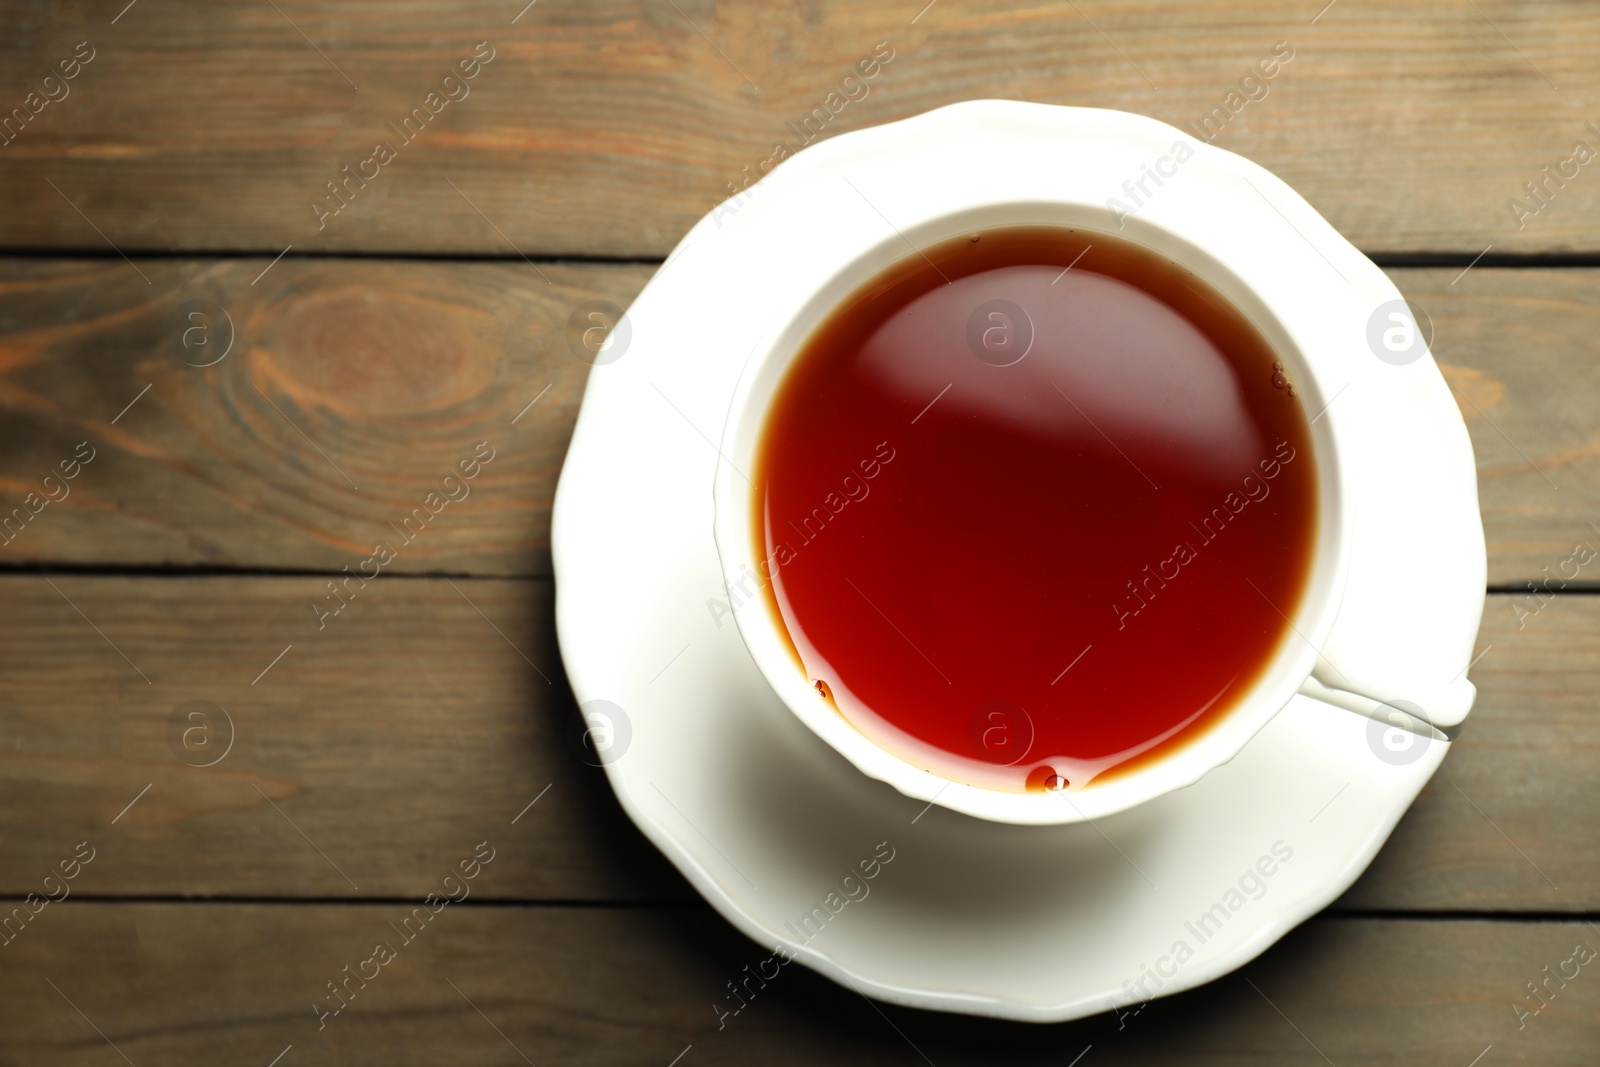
{"type": "Point", "coordinates": [1500, 826]}
{"type": "Point", "coordinates": [1521, 352]}
{"type": "Point", "coordinates": [353, 388]}
{"type": "Point", "coordinates": [181, 984]}
{"type": "Point", "coordinates": [609, 128]}
{"type": "Point", "coordinates": [388, 373]}
{"type": "Point", "coordinates": [412, 726]}
{"type": "Point", "coordinates": [363, 756]}
{"type": "Point", "coordinates": [421, 719]}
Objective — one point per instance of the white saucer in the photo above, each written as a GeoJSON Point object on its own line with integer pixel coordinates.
{"type": "Point", "coordinates": [1039, 923]}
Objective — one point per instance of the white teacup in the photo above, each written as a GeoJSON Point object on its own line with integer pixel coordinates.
{"type": "Point", "coordinates": [1289, 671]}
{"type": "Point", "coordinates": [964, 207]}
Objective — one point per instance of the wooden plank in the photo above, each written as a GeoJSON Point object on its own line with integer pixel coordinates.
{"type": "Point", "coordinates": [1495, 828]}
{"type": "Point", "coordinates": [353, 388]}
{"type": "Point", "coordinates": [394, 370]}
{"type": "Point", "coordinates": [361, 757]}
{"type": "Point", "coordinates": [609, 128]}
{"type": "Point", "coordinates": [236, 983]}
{"type": "Point", "coordinates": [409, 725]}
{"type": "Point", "coordinates": [1521, 351]}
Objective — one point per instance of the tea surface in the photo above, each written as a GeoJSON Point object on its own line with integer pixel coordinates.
{"type": "Point", "coordinates": [1036, 504]}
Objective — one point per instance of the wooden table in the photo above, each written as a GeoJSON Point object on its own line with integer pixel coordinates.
{"type": "Point", "coordinates": [159, 604]}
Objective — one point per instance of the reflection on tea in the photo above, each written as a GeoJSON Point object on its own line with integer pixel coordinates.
{"type": "Point", "coordinates": [1037, 505]}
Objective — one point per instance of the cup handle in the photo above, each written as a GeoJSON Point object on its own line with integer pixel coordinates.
{"type": "Point", "coordinates": [1405, 714]}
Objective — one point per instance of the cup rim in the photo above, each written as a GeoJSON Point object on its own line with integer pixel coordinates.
{"type": "Point", "coordinates": [767, 639]}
